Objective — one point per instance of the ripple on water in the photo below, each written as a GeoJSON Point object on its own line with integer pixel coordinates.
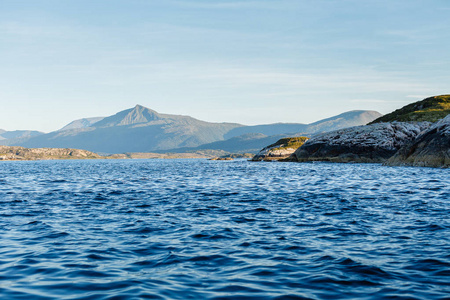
{"type": "Point", "coordinates": [197, 229]}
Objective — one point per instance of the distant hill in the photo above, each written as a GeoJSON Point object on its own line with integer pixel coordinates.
{"type": "Point", "coordinates": [140, 129]}
{"type": "Point", "coordinates": [16, 136]}
{"type": "Point", "coordinates": [82, 123]}
{"type": "Point", "coordinates": [137, 129]}
{"type": "Point", "coordinates": [344, 120]}
{"type": "Point", "coordinates": [430, 109]}
{"type": "Point", "coordinates": [254, 138]}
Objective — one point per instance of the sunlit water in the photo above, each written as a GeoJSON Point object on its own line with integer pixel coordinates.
{"type": "Point", "coordinates": [198, 229]}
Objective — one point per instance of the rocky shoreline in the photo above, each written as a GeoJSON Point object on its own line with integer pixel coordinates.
{"type": "Point", "coordinates": [374, 143]}
{"type": "Point", "coordinates": [17, 153]}
{"type": "Point", "coordinates": [420, 144]}
{"type": "Point", "coordinates": [429, 149]}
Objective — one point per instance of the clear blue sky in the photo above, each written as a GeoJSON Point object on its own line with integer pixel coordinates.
{"type": "Point", "coordinates": [250, 62]}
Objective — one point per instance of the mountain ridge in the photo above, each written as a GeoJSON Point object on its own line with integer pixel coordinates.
{"type": "Point", "coordinates": [81, 123]}
{"type": "Point", "coordinates": [345, 119]}
{"type": "Point", "coordinates": [141, 129]}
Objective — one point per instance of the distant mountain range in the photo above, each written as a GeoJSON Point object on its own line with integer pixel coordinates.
{"type": "Point", "coordinates": [16, 136]}
{"type": "Point", "coordinates": [252, 139]}
{"type": "Point", "coordinates": [141, 129]}
{"type": "Point", "coordinates": [347, 119]}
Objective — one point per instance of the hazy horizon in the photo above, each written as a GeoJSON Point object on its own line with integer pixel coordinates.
{"type": "Point", "coordinates": [247, 62]}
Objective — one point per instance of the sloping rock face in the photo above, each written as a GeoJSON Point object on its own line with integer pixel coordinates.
{"type": "Point", "coordinates": [429, 149]}
{"type": "Point", "coordinates": [282, 149]}
{"type": "Point", "coordinates": [366, 144]}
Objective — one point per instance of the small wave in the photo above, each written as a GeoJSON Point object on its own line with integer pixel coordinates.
{"type": "Point", "coordinates": [196, 230]}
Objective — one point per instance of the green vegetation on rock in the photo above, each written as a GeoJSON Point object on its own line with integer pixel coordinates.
{"type": "Point", "coordinates": [430, 109]}
{"type": "Point", "coordinates": [280, 150]}
{"type": "Point", "coordinates": [290, 142]}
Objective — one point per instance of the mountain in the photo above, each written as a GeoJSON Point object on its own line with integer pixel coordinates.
{"type": "Point", "coordinates": [16, 136]}
{"type": "Point", "coordinates": [137, 129]}
{"type": "Point", "coordinates": [430, 109]}
{"type": "Point", "coordinates": [137, 115]}
{"type": "Point", "coordinates": [82, 123]}
{"type": "Point", "coordinates": [344, 120]}
{"type": "Point", "coordinates": [140, 129]}
{"type": "Point", "coordinates": [253, 138]}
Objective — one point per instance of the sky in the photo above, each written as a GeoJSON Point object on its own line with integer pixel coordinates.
{"type": "Point", "coordinates": [249, 62]}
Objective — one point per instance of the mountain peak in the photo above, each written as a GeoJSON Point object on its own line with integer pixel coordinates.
{"type": "Point", "coordinates": [136, 115]}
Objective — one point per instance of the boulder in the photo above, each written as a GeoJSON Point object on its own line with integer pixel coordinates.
{"type": "Point", "coordinates": [429, 149]}
{"type": "Point", "coordinates": [366, 144]}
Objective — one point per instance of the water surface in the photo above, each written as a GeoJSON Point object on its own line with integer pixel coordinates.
{"type": "Point", "coordinates": [198, 229]}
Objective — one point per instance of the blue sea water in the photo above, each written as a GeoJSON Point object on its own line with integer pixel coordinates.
{"type": "Point", "coordinates": [199, 229]}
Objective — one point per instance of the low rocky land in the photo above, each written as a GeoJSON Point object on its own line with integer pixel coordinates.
{"type": "Point", "coordinates": [221, 158]}
{"type": "Point", "coordinates": [282, 149]}
{"type": "Point", "coordinates": [21, 153]}
{"type": "Point", "coordinates": [150, 155]}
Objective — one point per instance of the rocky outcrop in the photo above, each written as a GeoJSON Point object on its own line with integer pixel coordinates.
{"type": "Point", "coordinates": [282, 149]}
{"type": "Point", "coordinates": [429, 149]}
{"type": "Point", "coordinates": [371, 143]}
{"type": "Point", "coordinates": [21, 153]}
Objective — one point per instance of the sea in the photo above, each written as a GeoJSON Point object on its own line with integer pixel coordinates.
{"type": "Point", "coordinates": [200, 229]}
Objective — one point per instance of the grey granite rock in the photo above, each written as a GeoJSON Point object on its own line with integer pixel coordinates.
{"type": "Point", "coordinates": [429, 149]}
{"type": "Point", "coordinates": [371, 143]}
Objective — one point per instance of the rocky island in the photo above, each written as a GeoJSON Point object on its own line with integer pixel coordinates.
{"type": "Point", "coordinates": [21, 153]}
{"type": "Point", "coordinates": [282, 149]}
